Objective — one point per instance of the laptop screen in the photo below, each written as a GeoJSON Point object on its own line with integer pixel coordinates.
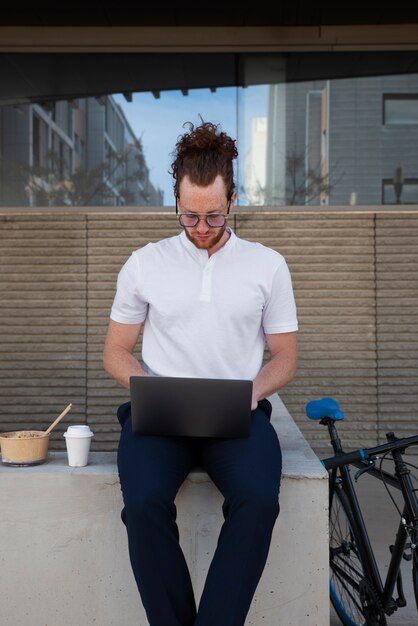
{"type": "Point", "coordinates": [196, 407]}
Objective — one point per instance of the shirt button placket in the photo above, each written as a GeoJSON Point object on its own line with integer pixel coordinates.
{"type": "Point", "coordinates": [206, 290]}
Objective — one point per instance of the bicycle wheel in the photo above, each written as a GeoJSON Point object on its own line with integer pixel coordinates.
{"type": "Point", "coordinates": [352, 597]}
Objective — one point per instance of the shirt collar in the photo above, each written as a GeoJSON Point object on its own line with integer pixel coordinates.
{"type": "Point", "coordinates": [202, 254]}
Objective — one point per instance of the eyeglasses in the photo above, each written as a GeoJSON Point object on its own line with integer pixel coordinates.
{"type": "Point", "coordinates": [213, 220]}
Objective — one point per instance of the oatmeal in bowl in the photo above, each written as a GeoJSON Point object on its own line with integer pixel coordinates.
{"type": "Point", "coordinates": [24, 447]}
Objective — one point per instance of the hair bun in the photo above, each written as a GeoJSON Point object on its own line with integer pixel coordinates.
{"type": "Point", "coordinates": [206, 137]}
{"type": "Point", "coordinates": [202, 154]}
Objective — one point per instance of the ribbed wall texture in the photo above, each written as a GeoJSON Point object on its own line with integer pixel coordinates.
{"type": "Point", "coordinates": [356, 289]}
{"type": "Point", "coordinates": [397, 323]}
{"type": "Point", "coordinates": [43, 344]}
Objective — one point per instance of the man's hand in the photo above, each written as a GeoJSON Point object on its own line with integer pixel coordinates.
{"type": "Point", "coordinates": [254, 401]}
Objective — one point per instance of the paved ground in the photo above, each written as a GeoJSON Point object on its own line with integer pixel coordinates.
{"type": "Point", "coordinates": [382, 520]}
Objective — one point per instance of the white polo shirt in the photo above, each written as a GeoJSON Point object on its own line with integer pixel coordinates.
{"type": "Point", "coordinates": [205, 316]}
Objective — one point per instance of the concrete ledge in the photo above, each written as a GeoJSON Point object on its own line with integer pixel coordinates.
{"type": "Point", "coordinates": [64, 559]}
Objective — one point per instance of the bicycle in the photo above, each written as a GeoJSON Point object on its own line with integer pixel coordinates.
{"type": "Point", "coordinates": [356, 589]}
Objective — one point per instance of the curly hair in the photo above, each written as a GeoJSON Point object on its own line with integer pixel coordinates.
{"type": "Point", "coordinates": [202, 154]}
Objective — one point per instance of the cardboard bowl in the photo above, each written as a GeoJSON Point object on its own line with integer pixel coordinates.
{"type": "Point", "coordinates": [30, 448]}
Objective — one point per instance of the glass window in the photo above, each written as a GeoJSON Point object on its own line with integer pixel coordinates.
{"type": "Point", "coordinates": [405, 192]}
{"type": "Point", "coordinates": [400, 109]}
{"type": "Point", "coordinates": [308, 125]}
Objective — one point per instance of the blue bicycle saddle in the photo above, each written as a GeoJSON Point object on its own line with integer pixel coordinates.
{"type": "Point", "coordinates": [326, 407]}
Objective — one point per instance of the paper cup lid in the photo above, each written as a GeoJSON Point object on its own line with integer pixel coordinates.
{"type": "Point", "coordinates": [78, 430]}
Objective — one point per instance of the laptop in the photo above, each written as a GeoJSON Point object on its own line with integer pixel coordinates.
{"type": "Point", "coordinates": [190, 407]}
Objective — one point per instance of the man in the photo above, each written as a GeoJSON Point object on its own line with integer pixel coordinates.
{"type": "Point", "coordinates": [209, 302]}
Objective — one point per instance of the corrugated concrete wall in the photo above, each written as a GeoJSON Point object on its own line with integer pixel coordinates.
{"type": "Point", "coordinates": [43, 297]}
{"type": "Point", "coordinates": [397, 322]}
{"type": "Point", "coordinates": [356, 286]}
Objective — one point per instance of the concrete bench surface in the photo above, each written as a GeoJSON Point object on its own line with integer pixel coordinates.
{"type": "Point", "coordinates": [64, 558]}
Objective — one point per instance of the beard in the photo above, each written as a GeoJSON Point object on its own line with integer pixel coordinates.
{"type": "Point", "coordinates": [209, 242]}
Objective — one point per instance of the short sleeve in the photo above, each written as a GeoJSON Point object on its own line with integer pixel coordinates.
{"type": "Point", "coordinates": [279, 314]}
{"type": "Point", "coordinates": [129, 307]}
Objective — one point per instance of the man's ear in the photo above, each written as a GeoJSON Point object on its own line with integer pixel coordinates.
{"type": "Point", "coordinates": [233, 199]}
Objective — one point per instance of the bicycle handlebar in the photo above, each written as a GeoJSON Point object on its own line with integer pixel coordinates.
{"type": "Point", "coordinates": [345, 458]}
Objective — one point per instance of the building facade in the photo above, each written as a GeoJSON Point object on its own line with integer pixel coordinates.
{"type": "Point", "coordinates": [343, 142]}
{"type": "Point", "coordinates": [74, 153]}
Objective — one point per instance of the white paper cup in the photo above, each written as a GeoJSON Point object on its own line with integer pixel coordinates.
{"type": "Point", "coordinates": [78, 441]}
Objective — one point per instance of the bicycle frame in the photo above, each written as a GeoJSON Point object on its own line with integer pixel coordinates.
{"type": "Point", "coordinates": [400, 480]}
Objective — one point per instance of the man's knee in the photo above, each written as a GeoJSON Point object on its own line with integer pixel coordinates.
{"type": "Point", "coordinates": [259, 503]}
{"type": "Point", "coordinates": [147, 504]}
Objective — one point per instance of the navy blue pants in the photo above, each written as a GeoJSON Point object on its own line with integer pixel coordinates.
{"type": "Point", "coordinates": [247, 472]}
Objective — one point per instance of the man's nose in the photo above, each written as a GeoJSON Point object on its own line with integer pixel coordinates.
{"type": "Point", "coordinates": [202, 226]}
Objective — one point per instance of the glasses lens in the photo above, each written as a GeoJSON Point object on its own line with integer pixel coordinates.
{"type": "Point", "coordinates": [215, 220]}
{"type": "Point", "coordinates": [188, 220]}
